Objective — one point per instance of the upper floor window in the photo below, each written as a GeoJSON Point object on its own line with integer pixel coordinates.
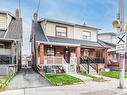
{"type": "Point", "coordinates": [86, 35]}
{"type": "Point", "coordinates": [61, 31]}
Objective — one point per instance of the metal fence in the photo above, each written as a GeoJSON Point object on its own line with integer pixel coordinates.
{"type": "Point", "coordinates": [96, 60]}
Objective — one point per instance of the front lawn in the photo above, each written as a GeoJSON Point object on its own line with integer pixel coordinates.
{"type": "Point", "coordinates": [4, 80]}
{"type": "Point", "coordinates": [112, 74]}
{"type": "Point", "coordinates": [62, 79]}
{"type": "Point", "coordinates": [94, 77]}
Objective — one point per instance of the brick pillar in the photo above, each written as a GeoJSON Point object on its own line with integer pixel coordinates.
{"type": "Point", "coordinates": [78, 55]}
{"type": "Point", "coordinates": [41, 53]}
{"type": "Point", "coordinates": [105, 55]}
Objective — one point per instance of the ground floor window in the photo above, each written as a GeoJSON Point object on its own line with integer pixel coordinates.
{"type": "Point", "coordinates": [50, 51]}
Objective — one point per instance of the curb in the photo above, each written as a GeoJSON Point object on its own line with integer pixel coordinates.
{"type": "Point", "coordinates": [46, 78]}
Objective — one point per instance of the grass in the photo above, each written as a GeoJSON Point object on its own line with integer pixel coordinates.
{"type": "Point", "coordinates": [112, 74]}
{"type": "Point", "coordinates": [4, 80]}
{"type": "Point", "coordinates": [98, 79]}
{"type": "Point", "coordinates": [62, 79]}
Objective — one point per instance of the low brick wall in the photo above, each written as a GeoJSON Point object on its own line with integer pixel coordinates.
{"type": "Point", "coordinates": [101, 67]}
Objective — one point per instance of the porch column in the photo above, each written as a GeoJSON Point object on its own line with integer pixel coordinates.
{"type": "Point", "coordinates": [105, 55]}
{"type": "Point", "coordinates": [13, 52]}
{"type": "Point", "coordinates": [41, 53]}
{"type": "Point", "coordinates": [78, 54]}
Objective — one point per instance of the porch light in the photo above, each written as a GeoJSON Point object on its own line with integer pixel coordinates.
{"type": "Point", "coordinates": [58, 52]}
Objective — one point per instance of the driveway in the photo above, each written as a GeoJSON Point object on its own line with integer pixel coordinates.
{"type": "Point", "coordinates": [27, 78]}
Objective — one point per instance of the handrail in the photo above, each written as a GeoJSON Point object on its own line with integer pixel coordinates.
{"type": "Point", "coordinates": [86, 69]}
{"type": "Point", "coordinates": [95, 60]}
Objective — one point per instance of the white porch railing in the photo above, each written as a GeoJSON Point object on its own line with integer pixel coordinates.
{"type": "Point", "coordinates": [72, 65]}
{"type": "Point", "coordinates": [4, 51]}
{"type": "Point", "coordinates": [60, 61]}
{"type": "Point", "coordinates": [52, 60]}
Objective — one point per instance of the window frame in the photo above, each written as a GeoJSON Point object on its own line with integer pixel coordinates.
{"type": "Point", "coordinates": [59, 32]}
{"type": "Point", "coordinates": [87, 37]}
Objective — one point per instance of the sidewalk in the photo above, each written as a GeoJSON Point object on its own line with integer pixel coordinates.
{"type": "Point", "coordinates": [87, 88]}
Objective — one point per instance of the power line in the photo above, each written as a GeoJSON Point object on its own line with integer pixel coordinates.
{"type": "Point", "coordinates": [38, 6]}
{"type": "Point", "coordinates": [19, 5]}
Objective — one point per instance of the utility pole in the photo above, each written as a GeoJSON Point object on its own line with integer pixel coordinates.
{"type": "Point", "coordinates": [122, 54]}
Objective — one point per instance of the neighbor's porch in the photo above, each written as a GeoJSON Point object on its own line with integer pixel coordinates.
{"type": "Point", "coordinates": [7, 57]}
{"type": "Point", "coordinates": [95, 57]}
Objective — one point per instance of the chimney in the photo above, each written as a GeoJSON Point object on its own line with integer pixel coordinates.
{"type": "Point", "coordinates": [17, 14]}
{"type": "Point", "coordinates": [35, 17]}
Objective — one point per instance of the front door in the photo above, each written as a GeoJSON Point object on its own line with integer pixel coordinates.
{"type": "Point", "coordinates": [67, 55]}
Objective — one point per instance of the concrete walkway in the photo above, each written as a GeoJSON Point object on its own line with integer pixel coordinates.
{"type": "Point", "coordinates": [87, 88]}
{"type": "Point", "coordinates": [27, 78]}
{"type": "Point", "coordinates": [83, 78]}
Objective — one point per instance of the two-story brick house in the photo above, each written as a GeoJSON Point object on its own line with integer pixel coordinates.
{"type": "Point", "coordinates": [58, 44]}
{"type": "Point", "coordinates": [10, 42]}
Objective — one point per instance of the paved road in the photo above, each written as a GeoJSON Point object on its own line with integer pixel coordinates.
{"type": "Point", "coordinates": [27, 78]}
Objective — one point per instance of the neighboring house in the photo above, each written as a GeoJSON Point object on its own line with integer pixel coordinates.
{"type": "Point", "coordinates": [26, 61]}
{"type": "Point", "coordinates": [57, 44]}
{"type": "Point", "coordinates": [10, 42]}
{"type": "Point", "coordinates": [109, 38]}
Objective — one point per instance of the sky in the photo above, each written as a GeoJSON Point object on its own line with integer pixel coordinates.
{"type": "Point", "coordinates": [96, 13]}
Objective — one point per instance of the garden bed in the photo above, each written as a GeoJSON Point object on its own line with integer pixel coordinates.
{"type": "Point", "coordinates": [62, 79]}
{"type": "Point", "coordinates": [112, 74]}
{"type": "Point", "coordinates": [98, 79]}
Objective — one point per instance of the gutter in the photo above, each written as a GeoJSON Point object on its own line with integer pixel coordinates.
{"type": "Point", "coordinates": [59, 44]}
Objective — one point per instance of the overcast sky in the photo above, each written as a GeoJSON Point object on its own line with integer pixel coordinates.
{"type": "Point", "coordinates": [97, 13]}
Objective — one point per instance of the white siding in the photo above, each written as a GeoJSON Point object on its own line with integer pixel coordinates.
{"type": "Point", "coordinates": [72, 32]}
{"type": "Point", "coordinates": [108, 38]}
{"type": "Point", "coordinates": [3, 21]}
{"type": "Point", "coordinates": [78, 34]}
{"type": "Point", "coordinates": [9, 18]}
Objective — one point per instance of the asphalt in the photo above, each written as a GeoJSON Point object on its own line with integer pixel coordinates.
{"type": "Point", "coordinates": [27, 78]}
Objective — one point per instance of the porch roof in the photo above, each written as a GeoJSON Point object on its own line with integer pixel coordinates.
{"type": "Point", "coordinates": [67, 41]}
{"type": "Point", "coordinates": [74, 41]}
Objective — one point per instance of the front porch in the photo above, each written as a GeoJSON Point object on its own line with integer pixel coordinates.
{"type": "Point", "coordinates": [67, 58]}
{"type": "Point", "coordinates": [7, 57]}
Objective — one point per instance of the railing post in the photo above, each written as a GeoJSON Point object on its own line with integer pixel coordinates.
{"type": "Point", "coordinates": [88, 68]}
{"type": "Point", "coordinates": [53, 59]}
{"type": "Point", "coordinates": [97, 68]}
